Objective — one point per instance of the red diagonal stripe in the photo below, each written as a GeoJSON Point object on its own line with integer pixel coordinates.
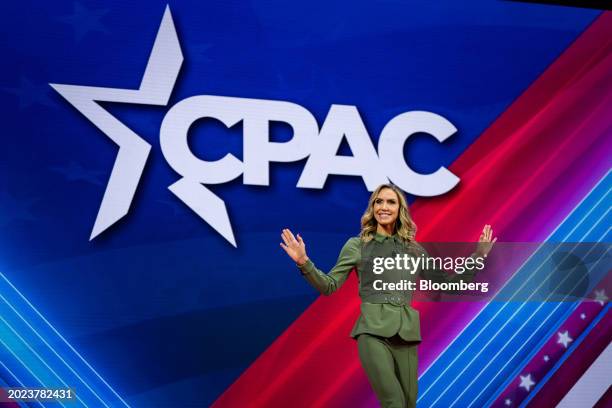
{"type": "Point", "coordinates": [526, 172]}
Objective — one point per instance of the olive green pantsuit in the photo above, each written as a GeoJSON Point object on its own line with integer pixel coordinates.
{"type": "Point", "coordinates": [391, 367]}
{"type": "Point", "coordinates": [388, 328]}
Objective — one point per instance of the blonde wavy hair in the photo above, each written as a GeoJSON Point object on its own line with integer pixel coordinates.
{"type": "Point", "coordinates": [405, 228]}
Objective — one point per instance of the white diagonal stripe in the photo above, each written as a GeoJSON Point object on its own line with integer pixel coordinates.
{"type": "Point", "coordinates": [520, 308]}
{"type": "Point", "coordinates": [582, 219]}
{"type": "Point", "coordinates": [593, 383]}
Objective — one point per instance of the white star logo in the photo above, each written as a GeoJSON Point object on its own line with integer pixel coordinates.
{"type": "Point", "coordinates": [582, 316]}
{"type": "Point", "coordinates": [564, 338]}
{"type": "Point", "coordinates": [546, 358]}
{"type": "Point", "coordinates": [526, 382]}
{"type": "Point", "coordinates": [155, 89]}
{"type": "Point", "coordinates": [600, 297]}
{"type": "Point", "coordinates": [508, 402]}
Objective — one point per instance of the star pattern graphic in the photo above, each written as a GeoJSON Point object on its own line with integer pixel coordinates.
{"type": "Point", "coordinates": [75, 172]}
{"type": "Point", "coordinates": [564, 338]}
{"type": "Point", "coordinates": [84, 20]}
{"type": "Point", "coordinates": [30, 93]}
{"type": "Point", "coordinates": [526, 382]}
{"type": "Point", "coordinates": [546, 359]}
{"type": "Point", "coordinates": [600, 297]}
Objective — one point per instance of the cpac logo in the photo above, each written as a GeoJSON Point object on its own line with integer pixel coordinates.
{"type": "Point", "coordinates": [320, 146]}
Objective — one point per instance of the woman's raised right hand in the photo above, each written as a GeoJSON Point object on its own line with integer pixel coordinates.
{"type": "Point", "coordinates": [295, 248]}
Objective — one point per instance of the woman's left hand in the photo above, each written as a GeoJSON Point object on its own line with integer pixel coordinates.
{"type": "Point", "coordinates": [485, 243]}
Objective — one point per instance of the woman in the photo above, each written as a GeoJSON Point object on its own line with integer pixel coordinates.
{"type": "Point", "coordinates": [388, 329]}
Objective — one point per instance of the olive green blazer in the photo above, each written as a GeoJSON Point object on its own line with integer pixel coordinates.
{"type": "Point", "coordinates": [391, 312]}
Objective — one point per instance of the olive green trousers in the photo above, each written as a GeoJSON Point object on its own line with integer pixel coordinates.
{"type": "Point", "coordinates": [391, 367]}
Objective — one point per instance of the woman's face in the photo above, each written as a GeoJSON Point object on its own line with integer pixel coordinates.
{"type": "Point", "coordinates": [386, 207]}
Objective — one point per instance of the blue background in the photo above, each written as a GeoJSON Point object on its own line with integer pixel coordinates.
{"type": "Point", "coordinates": [160, 304]}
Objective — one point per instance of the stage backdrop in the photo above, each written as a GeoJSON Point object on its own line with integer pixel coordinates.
{"type": "Point", "coordinates": [152, 153]}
